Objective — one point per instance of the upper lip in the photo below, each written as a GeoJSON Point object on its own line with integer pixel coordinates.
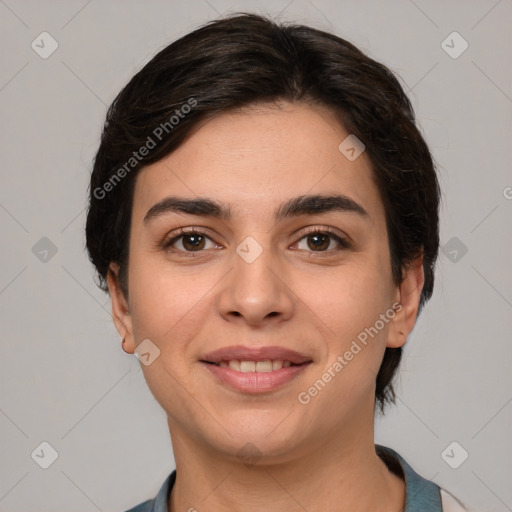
{"type": "Point", "coordinates": [243, 353]}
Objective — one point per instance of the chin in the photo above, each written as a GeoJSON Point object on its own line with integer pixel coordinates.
{"type": "Point", "coordinates": [254, 440]}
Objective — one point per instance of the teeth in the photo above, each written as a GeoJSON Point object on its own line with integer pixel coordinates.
{"type": "Point", "coordinates": [265, 366]}
{"type": "Point", "coordinates": [247, 366]}
{"type": "Point", "coordinates": [277, 365]}
{"type": "Point", "coordinates": [234, 365]}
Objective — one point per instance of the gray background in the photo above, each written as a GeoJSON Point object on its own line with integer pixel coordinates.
{"type": "Point", "coordinates": [64, 377]}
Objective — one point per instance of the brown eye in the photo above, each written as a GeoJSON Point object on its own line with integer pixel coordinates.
{"type": "Point", "coordinates": [323, 241]}
{"type": "Point", "coordinates": [319, 241]}
{"type": "Point", "coordinates": [193, 242]}
{"type": "Point", "coordinates": [189, 241]}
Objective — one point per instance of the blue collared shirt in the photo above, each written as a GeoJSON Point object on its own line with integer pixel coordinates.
{"type": "Point", "coordinates": [421, 495]}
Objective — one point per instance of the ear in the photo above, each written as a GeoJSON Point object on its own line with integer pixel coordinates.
{"type": "Point", "coordinates": [407, 301]}
{"type": "Point", "coordinates": [120, 309]}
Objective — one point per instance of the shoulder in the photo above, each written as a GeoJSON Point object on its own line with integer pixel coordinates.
{"type": "Point", "coordinates": [450, 503]}
{"type": "Point", "coordinates": [420, 494]}
{"type": "Point", "coordinates": [159, 503]}
{"type": "Point", "coordinates": [147, 506]}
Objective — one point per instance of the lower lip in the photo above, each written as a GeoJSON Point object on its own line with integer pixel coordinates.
{"type": "Point", "coordinates": [255, 382]}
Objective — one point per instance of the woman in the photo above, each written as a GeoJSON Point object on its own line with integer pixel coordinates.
{"type": "Point", "coordinates": [264, 214]}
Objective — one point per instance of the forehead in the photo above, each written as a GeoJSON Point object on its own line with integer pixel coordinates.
{"type": "Point", "coordinates": [255, 158]}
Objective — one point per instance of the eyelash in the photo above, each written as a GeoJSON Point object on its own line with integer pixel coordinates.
{"type": "Point", "coordinates": [167, 244]}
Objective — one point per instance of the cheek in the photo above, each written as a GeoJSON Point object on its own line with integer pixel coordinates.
{"type": "Point", "coordinates": [350, 299]}
{"type": "Point", "coordinates": [352, 308]}
{"type": "Point", "coordinates": [166, 301]}
{"type": "Point", "coordinates": [350, 303]}
{"type": "Point", "coordinates": [168, 307]}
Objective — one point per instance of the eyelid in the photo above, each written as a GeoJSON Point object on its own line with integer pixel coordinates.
{"type": "Point", "coordinates": [175, 235]}
{"type": "Point", "coordinates": [342, 238]}
{"type": "Point", "coordinates": [324, 229]}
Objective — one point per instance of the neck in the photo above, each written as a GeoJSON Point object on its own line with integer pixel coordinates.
{"type": "Point", "coordinates": [336, 475]}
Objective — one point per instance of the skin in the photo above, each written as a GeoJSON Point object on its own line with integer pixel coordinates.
{"type": "Point", "coordinates": [293, 295]}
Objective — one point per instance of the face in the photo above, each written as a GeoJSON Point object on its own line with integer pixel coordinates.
{"type": "Point", "coordinates": [270, 298]}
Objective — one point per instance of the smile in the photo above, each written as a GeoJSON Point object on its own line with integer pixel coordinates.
{"type": "Point", "coordinates": [254, 369]}
{"type": "Point", "coordinates": [264, 366]}
{"type": "Point", "coordinates": [254, 377]}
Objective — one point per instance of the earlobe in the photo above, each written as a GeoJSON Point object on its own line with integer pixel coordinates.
{"type": "Point", "coordinates": [120, 309]}
{"type": "Point", "coordinates": [408, 300]}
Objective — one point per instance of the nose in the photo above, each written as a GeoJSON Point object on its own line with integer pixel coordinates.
{"type": "Point", "coordinates": [256, 293]}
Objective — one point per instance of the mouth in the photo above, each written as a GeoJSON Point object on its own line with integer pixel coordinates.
{"type": "Point", "coordinates": [255, 370]}
{"type": "Point", "coordinates": [263, 366]}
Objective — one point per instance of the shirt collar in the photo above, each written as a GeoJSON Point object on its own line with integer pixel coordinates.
{"type": "Point", "coordinates": [420, 494]}
{"type": "Point", "coordinates": [162, 498]}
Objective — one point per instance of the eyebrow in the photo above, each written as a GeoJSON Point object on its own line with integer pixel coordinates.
{"type": "Point", "coordinates": [302, 205]}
